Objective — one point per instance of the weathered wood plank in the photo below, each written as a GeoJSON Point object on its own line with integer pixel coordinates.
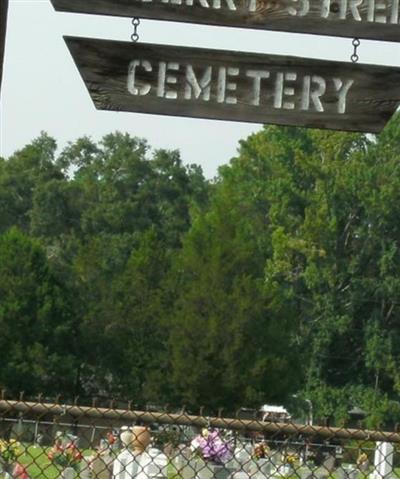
{"type": "Point", "coordinates": [3, 28]}
{"type": "Point", "coordinates": [239, 86]}
{"type": "Point", "coordinates": [372, 19]}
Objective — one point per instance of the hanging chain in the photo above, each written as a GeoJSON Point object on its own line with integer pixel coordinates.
{"type": "Point", "coordinates": [135, 35]}
{"type": "Point", "coordinates": [356, 43]}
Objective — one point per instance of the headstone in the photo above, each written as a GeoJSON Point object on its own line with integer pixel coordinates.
{"type": "Point", "coordinates": [152, 464]}
{"type": "Point", "coordinates": [340, 473]}
{"type": "Point", "coordinates": [85, 471]}
{"type": "Point", "coordinates": [126, 465]}
{"type": "Point", "coordinates": [305, 473]}
{"type": "Point", "coordinates": [203, 471]}
{"type": "Point", "coordinates": [218, 471]}
{"type": "Point", "coordinates": [275, 457]}
{"type": "Point", "coordinates": [329, 463]}
{"type": "Point", "coordinates": [282, 470]}
{"type": "Point", "coordinates": [261, 468]}
{"type": "Point", "coordinates": [321, 473]}
{"type": "Point", "coordinates": [383, 460]}
{"type": "Point", "coordinates": [102, 465]}
{"type": "Point", "coordinates": [182, 464]}
{"type": "Point", "coordinates": [241, 475]}
{"type": "Point", "coordinates": [241, 458]}
{"type": "Point", "coordinates": [353, 473]}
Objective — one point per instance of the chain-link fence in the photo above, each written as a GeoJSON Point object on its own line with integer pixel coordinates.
{"type": "Point", "coordinates": [50, 440]}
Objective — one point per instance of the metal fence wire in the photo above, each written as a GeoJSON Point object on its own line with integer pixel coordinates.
{"type": "Point", "coordinates": [51, 440]}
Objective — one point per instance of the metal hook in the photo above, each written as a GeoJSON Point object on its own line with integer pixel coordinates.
{"type": "Point", "coordinates": [135, 35]}
{"type": "Point", "coordinates": [354, 57]}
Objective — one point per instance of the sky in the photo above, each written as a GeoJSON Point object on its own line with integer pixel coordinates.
{"type": "Point", "coordinates": [43, 91]}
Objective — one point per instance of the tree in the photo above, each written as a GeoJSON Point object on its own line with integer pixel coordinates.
{"type": "Point", "coordinates": [37, 332]}
{"type": "Point", "coordinates": [231, 338]}
{"type": "Point", "coordinates": [20, 175]}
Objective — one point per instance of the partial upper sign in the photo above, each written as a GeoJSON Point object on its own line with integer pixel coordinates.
{"type": "Point", "coordinates": [3, 28]}
{"type": "Point", "coordinates": [372, 19]}
{"type": "Point", "coordinates": [238, 86]}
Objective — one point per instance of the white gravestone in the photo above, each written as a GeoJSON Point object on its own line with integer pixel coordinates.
{"type": "Point", "coordinates": [240, 475]}
{"type": "Point", "coordinates": [84, 471]}
{"type": "Point", "coordinates": [102, 465]}
{"type": "Point", "coordinates": [383, 460]}
{"type": "Point", "coordinates": [340, 473]}
{"type": "Point", "coordinates": [182, 463]}
{"type": "Point", "coordinates": [210, 470]}
{"type": "Point", "coordinates": [261, 468]}
{"type": "Point", "coordinates": [126, 465]}
{"type": "Point", "coordinates": [305, 472]}
{"type": "Point", "coordinates": [241, 459]}
{"type": "Point", "coordinates": [152, 464]}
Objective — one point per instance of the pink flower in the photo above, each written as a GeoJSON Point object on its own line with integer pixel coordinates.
{"type": "Point", "coordinates": [211, 447]}
{"type": "Point", "coordinates": [20, 472]}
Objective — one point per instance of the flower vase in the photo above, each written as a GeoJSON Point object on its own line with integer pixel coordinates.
{"type": "Point", "coordinates": [68, 473]}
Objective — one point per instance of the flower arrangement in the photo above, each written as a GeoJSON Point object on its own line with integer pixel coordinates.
{"type": "Point", "coordinates": [362, 459]}
{"type": "Point", "coordinates": [10, 451]}
{"type": "Point", "coordinates": [68, 456]}
{"type": "Point", "coordinates": [260, 451]}
{"type": "Point", "coordinates": [211, 447]}
{"type": "Point", "coordinates": [290, 459]}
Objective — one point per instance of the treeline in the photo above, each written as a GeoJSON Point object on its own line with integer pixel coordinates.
{"type": "Point", "coordinates": [125, 273]}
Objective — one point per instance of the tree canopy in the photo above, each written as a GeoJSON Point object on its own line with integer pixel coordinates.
{"type": "Point", "coordinates": [124, 272]}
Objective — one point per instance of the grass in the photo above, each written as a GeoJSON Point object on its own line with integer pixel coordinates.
{"type": "Point", "coordinates": [38, 465]}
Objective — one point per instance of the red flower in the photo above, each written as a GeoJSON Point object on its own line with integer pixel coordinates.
{"type": "Point", "coordinates": [20, 472]}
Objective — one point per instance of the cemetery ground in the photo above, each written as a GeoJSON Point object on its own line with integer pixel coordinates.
{"type": "Point", "coordinates": [49, 440]}
{"type": "Point", "coordinates": [38, 466]}
{"type": "Point", "coordinates": [36, 460]}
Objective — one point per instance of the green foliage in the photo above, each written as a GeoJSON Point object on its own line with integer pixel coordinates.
{"type": "Point", "coordinates": [35, 323]}
{"type": "Point", "coordinates": [230, 345]}
{"type": "Point", "coordinates": [124, 272]}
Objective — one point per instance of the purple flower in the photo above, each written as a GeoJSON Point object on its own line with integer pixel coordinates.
{"type": "Point", "coordinates": [211, 447]}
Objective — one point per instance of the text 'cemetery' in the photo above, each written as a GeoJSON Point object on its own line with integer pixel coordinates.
{"type": "Point", "coordinates": [236, 86]}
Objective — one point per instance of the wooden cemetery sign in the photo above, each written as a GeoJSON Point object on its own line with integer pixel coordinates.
{"type": "Point", "coordinates": [371, 19]}
{"type": "Point", "coordinates": [225, 85]}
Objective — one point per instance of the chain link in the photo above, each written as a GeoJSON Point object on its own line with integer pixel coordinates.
{"type": "Point", "coordinates": [356, 43]}
{"type": "Point", "coordinates": [103, 439]}
{"type": "Point", "coordinates": [135, 35]}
